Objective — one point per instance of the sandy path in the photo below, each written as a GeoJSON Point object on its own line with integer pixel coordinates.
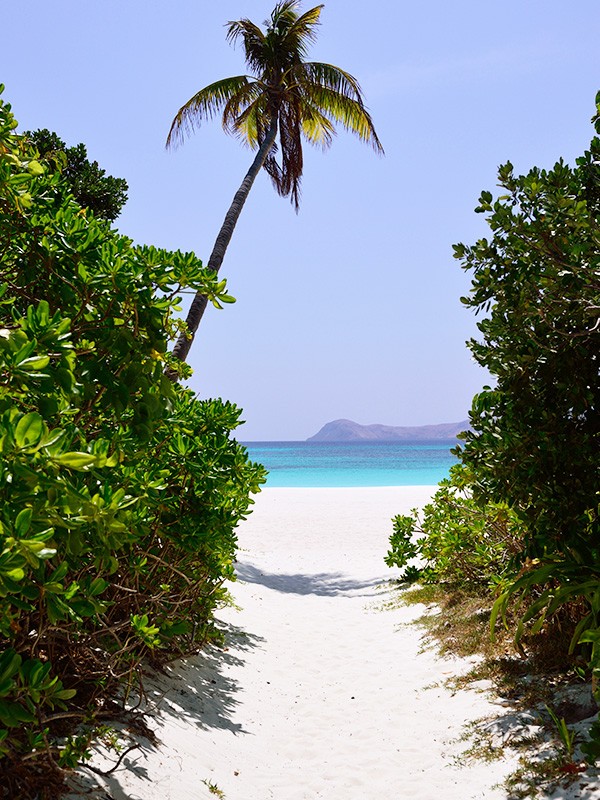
{"type": "Point", "coordinates": [321, 694]}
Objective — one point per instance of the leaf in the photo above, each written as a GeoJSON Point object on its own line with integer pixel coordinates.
{"type": "Point", "coordinates": [17, 574]}
{"type": "Point", "coordinates": [35, 168]}
{"type": "Point", "coordinates": [64, 694]}
{"type": "Point", "coordinates": [13, 714]}
{"type": "Point", "coordinates": [498, 606]}
{"type": "Point", "coordinates": [65, 378]}
{"type": "Point", "coordinates": [46, 552]}
{"type": "Point", "coordinates": [23, 522]}
{"type": "Point", "coordinates": [75, 460]}
{"type": "Point", "coordinates": [25, 351]}
{"type": "Point", "coordinates": [29, 430]}
{"type": "Point", "coordinates": [591, 635]}
{"type": "Point", "coordinates": [97, 586]}
{"type": "Point", "coordinates": [10, 661]}
{"type": "Point", "coordinates": [34, 363]}
{"type": "Point", "coordinates": [55, 588]}
{"type": "Point", "coordinates": [60, 572]}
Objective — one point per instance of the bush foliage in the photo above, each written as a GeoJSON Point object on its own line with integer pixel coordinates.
{"type": "Point", "coordinates": [119, 490]}
{"type": "Point", "coordinates": [532, 453]}
{"type": "Point", "coordinates": [91, 187]}
{"type": "Point", "coordinates": [456, 540]}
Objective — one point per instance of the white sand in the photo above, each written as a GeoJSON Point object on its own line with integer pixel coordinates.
{"type": "Point", "coordinates": [321, 694]}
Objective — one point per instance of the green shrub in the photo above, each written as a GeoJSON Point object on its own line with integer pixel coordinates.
{"type": "Point", "coordinates": [119, 490]}
{"type": "Point", "coordinates": [460, 542]}
{"type": "Point", "coordinates": [535, 435]}
{"type": "Point", "coordinates": [91, 187]}
{"type": "Point", "coordinates": [531, 455]}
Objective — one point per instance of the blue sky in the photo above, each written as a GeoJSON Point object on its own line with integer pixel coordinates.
{"type": "Point", "coordinates": [350, 308]}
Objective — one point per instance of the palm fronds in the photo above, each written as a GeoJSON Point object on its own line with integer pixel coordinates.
{"type": "Point", "coordinates": [284, 96]}
{"type": "Point", "coordinates": [205, 104]}
{"type": "Point", "coordinates": [305, 99]}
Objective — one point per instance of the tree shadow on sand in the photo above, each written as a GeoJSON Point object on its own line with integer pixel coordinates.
{"type": "Point", "coordinates": [197, 691]}
{"type": "Point", "coordinates": [199, 688]}
{"type": "Point", "coordinates": [323, 584]}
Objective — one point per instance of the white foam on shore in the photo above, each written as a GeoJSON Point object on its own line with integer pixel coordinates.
{"type": "Point", "coordinates": [321, 693]}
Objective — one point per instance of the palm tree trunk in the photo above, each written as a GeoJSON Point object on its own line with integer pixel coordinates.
{"type": "Point", "coordinates": [196, 312]}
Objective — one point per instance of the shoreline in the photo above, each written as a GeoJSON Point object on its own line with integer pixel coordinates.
{"type": "Point", "coordinates": [409, 487]}
{"type": "Point", "coordinates": [322, 690]}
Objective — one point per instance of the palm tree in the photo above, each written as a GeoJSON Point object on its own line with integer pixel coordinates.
{"type": "Point", "coordinates": [282, 101]}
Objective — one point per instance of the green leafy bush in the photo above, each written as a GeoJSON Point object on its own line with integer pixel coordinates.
{"type": "Point", "coordinates": [534, 442]}
{"type": "Point", "coordinates": [460, 542]}
{"type": "Point", "coordinates": [119, 490]}
{"type": "Point", "coordinates": [531, 455]}
{"type": "Point", "coordinates": [91, 187]}
{"type": "Point", "coordinates": [535, 438]}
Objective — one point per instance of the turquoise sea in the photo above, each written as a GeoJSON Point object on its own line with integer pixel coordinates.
{"type": "Point", "coordinates": [354, 463]}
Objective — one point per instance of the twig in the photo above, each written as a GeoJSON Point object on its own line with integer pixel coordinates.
{"type": "Point", "coordinates": [112, 769]}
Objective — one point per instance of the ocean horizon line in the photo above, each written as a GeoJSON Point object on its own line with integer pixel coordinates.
{"type": "Point", "coordinates": [363, 463]}
{"type": "Point", "coordinates": [349, 441]}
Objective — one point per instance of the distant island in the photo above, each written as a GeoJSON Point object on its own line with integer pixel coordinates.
{"type": "Point", "coordinates": [344, 430]}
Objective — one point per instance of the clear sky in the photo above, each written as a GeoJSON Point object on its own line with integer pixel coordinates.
{"type": "Point", "coordinates": [350, 308]}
